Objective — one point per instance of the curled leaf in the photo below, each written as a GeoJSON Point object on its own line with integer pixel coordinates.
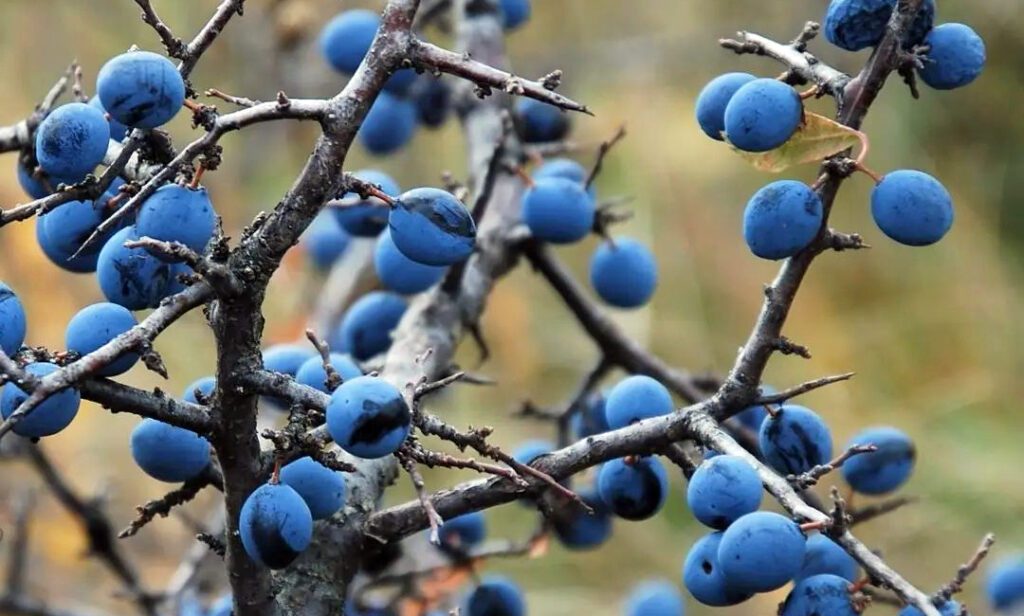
{"type": "Point", "coordinates": [815, 140]}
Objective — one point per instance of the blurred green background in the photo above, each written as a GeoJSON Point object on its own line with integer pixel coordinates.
{"type": "Point", "coordinates": [934, 334]}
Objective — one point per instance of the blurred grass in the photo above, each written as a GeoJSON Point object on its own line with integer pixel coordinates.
{"type": "Point", "coordinates": [933, 334]}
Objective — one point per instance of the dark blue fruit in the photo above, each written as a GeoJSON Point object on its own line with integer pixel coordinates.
{"type": "Point", "coordinates": [578, 530]}
{"type": "Point", "coordinates": [495, 596]}
{"type": "Point", "coordinates": [882, 471]}
{"type": "Point", "coordinates": [167, 452]}
{"type": "Point", "coordinates": [398, 272]}
{"type": "Point", "coordinates": [540, 122]}
{"type": "Point", "coordinates": [323, 489]}
{"type": "Point", "coordinates": [558, 210]}
{"type": "Point", "coordinates": [956, 57]}
{"type": "Point", "coordinates": [275, 525]}
{"type": "Point", "coordinates": [365, 330]}
{"type": "Point", "coordinates": [432, 96]}
{"type": "Point", "coordinates": [432, 227]}
{"type": "Point", "coordinates": [782, 219]}
{"type": "Point", "coordinates": [762, 115]}
{"type": "Point", "coordinates": [312, 374]}
{"type": "Point", "coordinates": [722, 490]}
{"type": "Point", "coordinates": [51, 416]}
{"type": "Point", "coordinates": [635, 489]}
{"type": "Point", "coordinates": [95, 326]}
{"type": "Point", "coordinates": [624, 273]}
{"type": "Point", "coordinates": [825, 556]}
{"type": "Point", "coordinates": [118, 131]}
{"type": "Point", "coordinates": [713, 99]}
{"type": "Point", "coordinates": [390, 124]}
{"type": "Point", "coordinates": [912, 208]}
{"type": "Point", "coordinates": [62, 231]}
{"type": "Point", "coordinates": [140, 89]}
{"type": "Point", "coordinates": [514, 13]}
{"type": "Point", "coordinates": [634, 398]}
{"type": "Point", "coordinates": [1005, 584]}
{"type": "Point", "coordinates": [858, 24]}
{"type": "Point", "coordinates": [949, 608]}
{"type": "Point", "coordinates": [761, 551]}
{"type": "Point", "coordinates": [820, 595]}
{"type": "Point", "coordinates": [287, 358]}
{"type": "Point", "coordinates": [655, 598]}
{"type": "Point", "coordinates": [530, 450]}
{"type": "Point", "coordinates": [795, 440]}
{"type": "Point", "coordinates": [367, 218]}
{"type": "Point", "coordinates": [703, 577]}
{"type": "Point", "coordinates": [178, 214]}
{"type": "Point", "coordinates": [561, 168]}
{"type": "Point", "coordinates": [752, 416]}
{"type": "Point", "coordinates": [464, 531]}
{"type": "Point", "coordinates": [591, 419]}
{"type": "Point", "coordinates": [325, 240]}
{"type": "Point", "coordinates": [347, 37]}
{"type": "Point", "coordinates": [12, 321]}
{"type": "Point", "coordinates": [132, 277]}
{"type": "Point", "coordinates": [71, 141]}
{"type": "Point", "coordinates": [33, 187]}
{"type": "Point", "coordinates": [368, 417]}
{"type": "Point", "coordinates": [204, 386]}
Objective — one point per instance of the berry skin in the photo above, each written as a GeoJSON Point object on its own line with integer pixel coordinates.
{"type": "Point", "coordinates": [655, 598]}
{"type": "Point", "coordinates": [33, 187]}
{"type": "Point", "coordinates": [761, 551]}
{"type": "Point", "coordinates": [178, 214]}
{"type": "Point", "coordinates": [62, 231]}
{"type": "Point", "coordinates": [722, 490]}
{"type": "Point", "coordinates": [514, 13]}
{"type": "Point", "coordinates": [540, 122]}
{"type": "Point", "coordinates": [12, 321]}
{"type": "Point", "coordinates": [118, 131]}
{"type": "Point", "coordinates": [51, 416]}
{"type": "Point", "coordinates": [325, 241]}
{"type": "Point", "coordinates": [591, 419]}
{"type": "Point", "coordinates": [71, 141]}
{"type": "Point", "coordinates": [956, 57]}
{"type": "Point", "coordinates": [132, 277]}
{"type": "Point", "coordinates": [167, 452]}
{"type": "Point", "coordinates": [634, 398]}
{"type": "Point", "coordinates": [824, 556]}
{"type": "Point", "coordinates": [312, 374]}
{"type": "Point", "coordinates": [624, 273]}
{"type": "Point", "coordinates": [367, 218]}
{"type": "Point", "coordinates": [368, 417]}
{"type": "Point", "coordinates": [495, 596]}
{"type": "Point", "coordinates": [1005, 584]}
{"type": "Point", "coordinates": [433, 98]}
{"type": "Point", "coordinates": [398, 272]}
{"type": "Point", "coordinates": [140, 89]}
{"type": "Point", "coordinates": [579, 530]}
{"type": "Point", "coordinates": [795, 440]}
{"type": "Point", "coordinates": [752, 416]}
{"type": "Point", "coordinates": [857, 24]}
{"type": "Point", "coordinates": [347, 37]}
{"type": "Point", "coordinates": [762, 115]}
{"type": "Point", "coordinates": [389, 125]}
{"type": "Point", "coordinates": [820, 594]}
{"type": "Point", "coordinates": [204, 386]}
{"type": "Point", "coordinates": [323, 489]}
{"type": "Point", "coordinates": [464, 531]}
{"type": "Point", "coordinates": [529, 451]}
{"type": "Point", "coordinates": [275, 525]}
{"type": "Point", "coordinates": [949, 608]}
{"type": "Point", "coordinates": [95, 326]}
{"type": "Point", "coordinates": [703, 577]}
{"type": "Point", "coordinates": [561, 168]}
{"type": "Point", "coordinates": [365, 330]}
{"type": "Point", "coordinates": [781, 219]}
{"type": "Point", "coordinates": [634, 490]}
{"type": "Point", "coordinates": [287, 358]}
{"type": "Point", "coordinates": [558, 210]}
{"type": "Point", "coordinates": [882, 471]}
{"type": "Point", "coordinates": [712, 100]}
{"type": "Point", "coordinates": [912, 208]}
{"type": "Point", "coordinates": [432, 227]}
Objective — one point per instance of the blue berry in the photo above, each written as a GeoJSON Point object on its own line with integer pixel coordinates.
{"type": "Point", "coordinates": [956, 57]}
{"type": "Point", "coordinates": [325, 240]}
{"type": "Point", "coordinates": [204, 386]}
{"type": "Point", "coordinates": [1005, 584]}
{"type": "Point", "coordinates": [752, 416]}
{"type": "Point", "coordinates": [949, 608]}
{"type": "Point", "coordinates": [722, 490]}
{"type": "Point", "coordinates": [433, 98]}
{"type": "Point", "coordinates": [818, 595]}
{"type": "Point", "coordinates": [635, 489]}
{"type": "Point", "coordinates": [365, 330]}
{"type": "Point", "coordinates": [312, 374]}
{"type": "Point", "coordinates": [132, 277]}
{"type": "Point", "coordinates": [347, 37]}
{"type": "Point", "coordinates": [62, 231]}
{"type": "Point", "coordinates": [323, 489]}
{"type": "Point", "coordinates": [578, 530]}
{"type": "Point", "coordinates": [287, 358]}
{"type": "Point", "coordinates": [882, 471]}
{"type": "Point", "coordinates": [432, 227]}
{"type": "Point", "coordinates": [530, 450]}
{"type": "Point", "coordinates": [762, 115]}
{"type": "Point", "coordinates": [912, 208]}
{"type": "Point", "coordinates": [591, 419]}
{"type": "Point", "coordinates": [514, 13]}
{"type": "Point", "coordinates": [624, 273]}
{"type": "Point", "coordinates": [140, 89]}
{"type": "Point", "coordinates": [703, 577]}
{"type": "Point", "coordinates": [33, 187]}
{"type": "Point", "coordinates": [561, 168]}
{"type": "Point", "coordinates": [368, 417]}
{"type": "Point", "coordinates": [390, 124]}
{"type": "Point", "coordinates": [858, 24]}
{"type": "Point", "coordinates": [795, 440]}
{"type": "Point", "coordinates": [464, 531]}
{"type": "Point", "coordinates": [495, 596]}
{"type": "Point", "coordinates": [367, 218]}
{"type": "Point", "coordinates": [118, 131]}
{"type": "Point", "coordinates": [558, 210]}
{"type": "Point", "coordinates": [761, 551]}
{"type": "Point", "coordinates": [634, 398]}
{"type": "Point", "coordinates": [398, 272]}
{"type": "Point", "coordinates": [12, 321]}
{"type": "Point", "coordinates": [51, 416]}
{"type": "Point", "coordinates": [167, 452]}
{"type": "Point", "coordinates": [275, 525]}
{"type": "Point", "coordinates": [178, 214]}
{"type": "Point", "coordinates": [540, 122]}
{"type": "Point", "coordinates": [71, 141]}
{"type": "Point", "coordinates": [781, 219]}
{"type": "Point", "coordinates": [95, 326]}
{"type": "Point", "coordinates": [713, 99]}
{"type": "Point", "coordinates": [825, 556]}
{"type": "Point", "coordinates": [655, 598]}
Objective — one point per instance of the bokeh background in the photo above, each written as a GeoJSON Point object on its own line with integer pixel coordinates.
{"type": "Point", "coordinates": [934, 334]}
